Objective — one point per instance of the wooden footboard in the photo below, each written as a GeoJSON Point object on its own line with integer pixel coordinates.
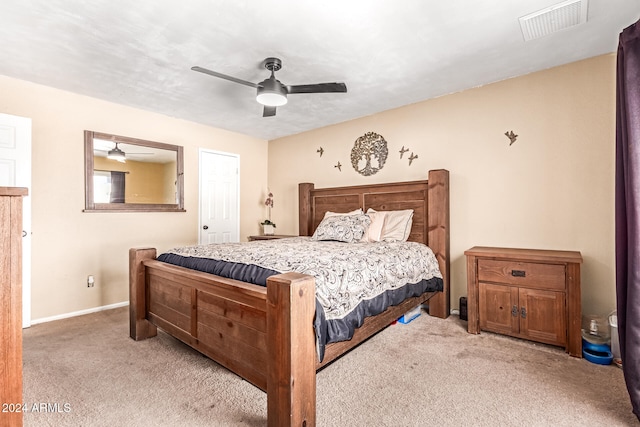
{"type": "Point", "coordinates": [265, 335]}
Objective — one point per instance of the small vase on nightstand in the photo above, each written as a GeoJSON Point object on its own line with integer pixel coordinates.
{"type": "Point", "coordinates": [268, 229]}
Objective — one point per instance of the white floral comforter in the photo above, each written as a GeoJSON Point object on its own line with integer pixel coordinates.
{"type": "Point", "coordinates": [345, 273]}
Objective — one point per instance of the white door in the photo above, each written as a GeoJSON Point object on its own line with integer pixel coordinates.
{"type": "Point", "coordinates": [219, 199]}
{"type": "Point", "coordinates": [15, 171]}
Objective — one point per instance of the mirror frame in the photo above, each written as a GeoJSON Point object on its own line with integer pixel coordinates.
{"type": "Point", "coordinates": [91, 206]}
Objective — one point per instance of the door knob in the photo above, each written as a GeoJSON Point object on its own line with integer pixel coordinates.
{"type": "Point", "coordinates": [205, 227]}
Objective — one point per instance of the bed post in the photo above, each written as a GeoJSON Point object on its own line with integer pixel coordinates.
{"type": "Point", "coordinates": [438, 236]}
{"type": "Point", "coordinates": [139, 327]}
{"type": "Point", "coordinates": [291, 366]}
{"type": "Point", "coordinates": [305, 216]}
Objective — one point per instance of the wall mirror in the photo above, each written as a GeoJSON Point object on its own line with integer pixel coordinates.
{"type": "Point", "coordinates": [125, 174]}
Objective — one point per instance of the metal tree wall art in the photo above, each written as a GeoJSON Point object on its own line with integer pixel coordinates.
{"type": "Point", "coordinates": [369, 153]}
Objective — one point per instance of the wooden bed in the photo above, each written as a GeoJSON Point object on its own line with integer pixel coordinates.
{"type": "Point", "coordinates": [265, 335]}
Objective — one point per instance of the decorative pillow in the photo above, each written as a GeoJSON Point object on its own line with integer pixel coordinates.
{"type": "Point", "coordinates": [374, 233]}
{"type": "Point", "coordinates": [397, 225]}
{"type": "Point", "coordinates": [343, 228]}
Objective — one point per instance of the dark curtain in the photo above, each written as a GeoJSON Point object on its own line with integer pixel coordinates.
{"type": "Point", "coordinates": [628, 208]}
{"type": "Point", "coordinates": [117, 187]}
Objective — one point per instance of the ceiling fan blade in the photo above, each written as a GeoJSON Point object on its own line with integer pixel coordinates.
{"type": "Point", "coordinates": [318, 88]}
{"type": "Point", "coordinates": [268, 111]}
{"type": "Point", "coordinates": [224, 76]}
{"type": "Point", "coordinates": [128, 152]}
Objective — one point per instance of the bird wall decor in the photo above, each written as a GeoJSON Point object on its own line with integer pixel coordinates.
{"type": "Point", "coordinates": [403, 150]}
{"type": "Point", "coordinates": [412, 157]}
{"type": "Point", "coordinates": [512, 137]}
{"type": "Point", "coordinates": [320, 150]}
{"type": "Point", "coordinates": [339, 166]}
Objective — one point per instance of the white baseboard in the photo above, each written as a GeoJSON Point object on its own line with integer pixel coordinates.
{"type": "Point", "coordinates": [80, 313]}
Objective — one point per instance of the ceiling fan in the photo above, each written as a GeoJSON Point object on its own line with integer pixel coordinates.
{"type": "Point", "coordinates": [117, 154]}
{"type": "Point", "coordinates": [271, 92]}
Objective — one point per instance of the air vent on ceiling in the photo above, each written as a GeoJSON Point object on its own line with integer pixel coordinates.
{"type": "Point", "coordinates": [555, 18]}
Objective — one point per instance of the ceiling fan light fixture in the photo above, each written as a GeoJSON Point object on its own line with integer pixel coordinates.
{"type": "Point", "coordinates": [271, 93]}
{"type": "Point", "coordinates": [116, 154]}
{"type": "Point", "coordinates": [271, 99]}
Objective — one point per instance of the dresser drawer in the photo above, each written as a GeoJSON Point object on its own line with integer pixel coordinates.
{"type": "Point", "coordinates": [543, 276]}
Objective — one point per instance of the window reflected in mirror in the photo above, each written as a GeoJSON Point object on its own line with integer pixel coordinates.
{"type": "Point", "coordinates": [127, 174]}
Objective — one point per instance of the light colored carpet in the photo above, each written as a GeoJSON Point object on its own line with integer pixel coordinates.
{"type": "Point", "coordinates": [427, 373]}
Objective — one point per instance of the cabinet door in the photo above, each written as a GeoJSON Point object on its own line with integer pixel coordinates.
{"type": "Point", "coordinates": [542, 316]}
{"type": "Point", "coordinates": [496, 305]}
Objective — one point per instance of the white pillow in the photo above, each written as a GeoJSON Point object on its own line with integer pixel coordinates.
{"type": "Point", "coordinates": [374, 233]}
{"type": "Point", "coordinates": [397, 225]}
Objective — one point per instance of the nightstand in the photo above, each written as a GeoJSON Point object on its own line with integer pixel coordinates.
{"type": "Point", "coordinates": [526, 293]}
{"type": "Point", "coordinates": [269, 237]}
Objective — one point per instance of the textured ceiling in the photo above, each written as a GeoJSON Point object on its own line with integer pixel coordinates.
{"type": "Point", "coordinates": [389, 53]}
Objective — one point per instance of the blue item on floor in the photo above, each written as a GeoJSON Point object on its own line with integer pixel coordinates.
{"type": "Point", "coordinates": [410, 315]}
{"type": "Point", "coordinates": [597, 353]}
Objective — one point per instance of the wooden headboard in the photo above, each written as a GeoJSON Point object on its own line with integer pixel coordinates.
{"type": "Point", "coordinates": [429, 200]}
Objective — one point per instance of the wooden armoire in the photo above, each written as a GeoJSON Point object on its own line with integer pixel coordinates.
{"type": "Point", "coordinates": [11, 304]}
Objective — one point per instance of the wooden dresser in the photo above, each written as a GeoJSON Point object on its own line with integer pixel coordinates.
{"type": "Point", "coordinates": [11, 303]}
{"type": "Point", "coordinates": [526, 293]}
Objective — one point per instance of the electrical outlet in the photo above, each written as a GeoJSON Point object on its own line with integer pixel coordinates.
{"type": "Point", "coordinates": [90, 281]}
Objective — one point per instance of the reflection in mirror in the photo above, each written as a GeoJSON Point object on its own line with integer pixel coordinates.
{"type": "Point", "coordinates": [125, 174]}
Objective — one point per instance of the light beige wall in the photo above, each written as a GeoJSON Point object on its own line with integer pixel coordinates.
{"type": "Point", "coordinates": [68, 244]}
{"type": "Point", "coordinates": [551, 189]}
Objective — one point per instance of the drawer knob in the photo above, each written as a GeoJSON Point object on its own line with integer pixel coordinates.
{"type": "Point", "coordinates": [514, 311]}
{"type": "Point", "coordinates": [518, 273]}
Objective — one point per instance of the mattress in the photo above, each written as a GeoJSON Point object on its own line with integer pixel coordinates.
{"type": "Point", "coordinates": [353, 280]}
